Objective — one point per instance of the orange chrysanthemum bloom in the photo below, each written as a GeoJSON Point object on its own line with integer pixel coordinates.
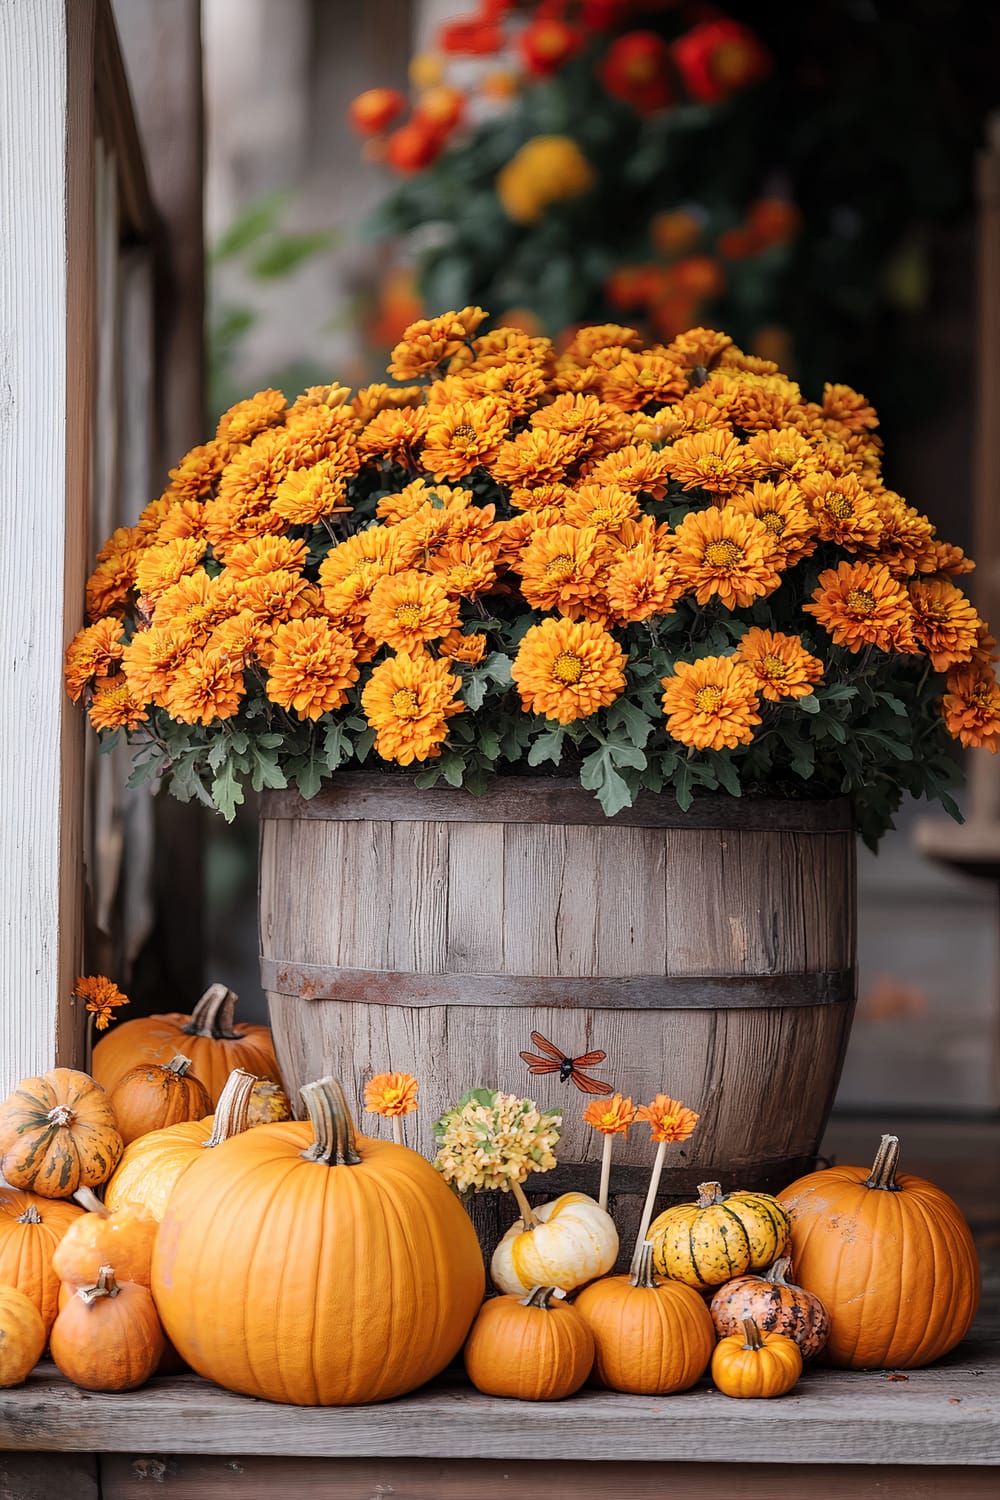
{"type": "Point", "coordinates": [308, 496]}
{"type": "Point", "coordinates": [428, 342]}
{"type": "Point", "coordinates": [391, 1094]}
{"type": "Point", "coordinates": [415, 496]}
{"type": "Point", "coordinates": [536, 457]}
{"type": "Point", "coordinates": [329, 395]}
{"type": "Point", "coordinates": [944, 622]}
{"type": "Point", "coordinates": [701, 411]}
{"type": "Point", "coordinates": [610, 1116]}
{"type": "Point", "coordinates": [241, 639]}
{"type": "Point", "coordinates": [112, 581]}
{"type": "Point", "coordinates": [409, 700]}
{"type": "Point", "coordinates": [273, 597]}
{"type": "Point", "coordinates": [637, 379]}
{"type": "Point", "coordinates": [407, 609]}
{"type": "Point", "coordinates": [541, 497]}
{"type": "Point", "coordinates": [463, 436]}
{"type": "Point", "coordinates": [641, 583]}
{"type": "Point", "coordinates": [638, 468]}
{"type": "Point", "coordinates": [464, 569]}
{"type": "Point", "coordinates": [350, 571]}
{"type": "Point", "coordinates": [465, 648]}
{"type": "Point", "coordinates": [159, 568]}
{"type": "Point", "coordinates": [264, 554]}
{"type": "Point", "coordinates": [711, 704]}
{"type": "Point", "coordinates": [372, 399]}
{"type": "Point", "coordinates": [504, 346]}
{"type": "Point", "coordinates": [242, 507]}
{"type": "Point", "coordinates": [713, 461]}
{"type": "Point", "coordinates": [781, 509]}
{"type": "Point", "coordinates": [567, 670]}
{"type": "Point", "coordinates": [861, 604]}
{"type": "Point", "coordinates": [727, 553]}
{"type": "Point", "coordinates": [755, 403]}
{"type": "Point", "coordinates": [323, 434]}
{"type": "Point", "coordinates": [204, 688]}
{"type": "Point", "coordinates": [586, 341]}
{"type": "Point", "coordinates": [669, 1120]}
{"type": "Point", "coordinates": [198, 473]}
{"type": "Point", "coordinates": [971, 708]}
{"type": "Point", "coordinates": [242, 422]}
{"type": "Point", "coordinates": [699, 348]}
{"type": "Point", "coordinates": [735, 358]}
{"type": "Point", "coordinates": [781, 454]}
{"type": "Point", "coordinates": [395, 434]}
{"type": "Point", "coordinates": [185, 519]}
{"type": "Point", "coordinates": [845, 512]}
{"type": "Point", "coordinates": [93, 651]}
{"type": "Point", "coordinates": [114, 705]}
{"type": "Point", "coordinates": [311, 666]}
{"type": "Point", "coordinates": [562, 568]}
{"type": "Point", "coordinates": [942, 557]}
{"type": "Point", "coordinates": [598, 425]}
{"type": "Point", "coordinates": [781, 665]}
{"type": "Point", "coordinates": [905, 536]}
{"type": "Point", "coordinates": [606, 507]}
{"type": "Point", "coordinates": [198, 603]}
{"type": "Point", "coordinates": [845, 408]}
{"type": "Point", "coordinates": [514, 534]}
{"type": "Point", "coordinates": [152, 657]}
{"type": "Point", "coordinates": [102, 998]}
{"type": "Point", "coordinates": [519, 386]}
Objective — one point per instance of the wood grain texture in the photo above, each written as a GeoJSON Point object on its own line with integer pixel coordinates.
{"type": "Point", "coordinates": [48, 1476]}
{"type": "Point", "coordinates": [127, 1478]}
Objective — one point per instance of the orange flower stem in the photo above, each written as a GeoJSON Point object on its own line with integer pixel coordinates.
{"type": "Point", "coordinates": [602, 1195]}
{"type": "Point", "coordinates": [397, 1130]}
{"type": "Point", "coordinates": [654, 1183]}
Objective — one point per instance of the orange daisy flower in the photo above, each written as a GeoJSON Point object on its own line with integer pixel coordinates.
{"type": "Point", "coordinates": [466, 648]}
{"type": "Point", "coordinates": [464, 569]}
{"type": "Point", "coordinates": [562, 569]}
{"type": "Point", "coordinates": [567, 670]}
{"type": "Point", "coordinates": [540, 497]}
{"type": "Point", "coordinates": [755, 403]}
{"type": "Point", "coordinates": [610, 1116]}
{"type": "Point", "coordinates": [204, 688]}
{"type": "Point", "coordinates": [391, 1094]}
{"type": "Point", "coordinates": [463, 436]}
{"type": "Point", "coordinates": [240, 639]}
{"type": "Point", "coordinates": [519, 386]}
{"type": "Point", "coordinates": [641, 583]}
{"type": "Point", "coordinates": [783, 512]}
{"type": "Point", "coordinates": [711, 704]}
{"type": "Point", "coordinates": [308, 496]}
{"type": "Point", "coordinates": [638, 468]}
{"type": "Point", "coordinates": [669, 1120]}
{"type": "Point", "coordinates": [606, 507]}
{"type": "Point", "coordinates": [197, 601]}
{"type": "Point", "coordinates": [845, 512]}
{"type": "Point", "coordinates": [242, 422]}
{"type": "Point", "coordinates": [701, 410]}
{"type": "Point", "coordinates": [407, 609]}
{"type": "Point", "coordinates": [409, 700]}
{"type": "Point", "coordinates": [242, 507]}
{"type": "Point", "coordinates": [944, 622]}
{"type": "Point", "coordinates": [597, 425]}
{"type": "Point", "coordinates": [783, 668]}
{"type": "Point", "coordinates": [971, 708]}
{"type": "Point", "coordinates": [781, 454]}
{"type": "Point", "coordinates": [93, 651]}
{"type": "Point", "coordinates": [102, 998]}
{"type": "Point", "coordinates": [713, 461]}
{"type": "Point", "coordinates": [114, 705]}
{"type": "Point", "coordinates": [586, 341]}
{"type": "Point", "coordinates": [538, 456]}
{"type": "Point", "coordinates": [514, 534]}
{"type": "Point", "coordinates": [727, 553]}
{"type": "Point", "coordinates": [861, 604]}
{"type": "Point", "coordinates": [311, 667]}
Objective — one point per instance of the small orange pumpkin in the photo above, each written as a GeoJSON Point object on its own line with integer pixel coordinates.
{"type": "Point", "coordinates": [107, 1337]}
{"type": "Point", "coordinates": [30, 1230]}
{"type": "Point", "coordinates": [58, 1132]}
{"type": "Point", "coordinates": [890, 1256]}
{"type": "Point", "coordinates": [652, 1337]}
{"type": "Point", "coordinates": [754, 1364]}
{"type": "Point", "coordinates": [209, 1036]}
{"type": "Point", "coordinates": [99, 1238]}
{"type": "Point", "coordinates": [22, 1336]}
{"type": "Point", "coordinates": [152, 1165]}
{"type": "Point", "coordinates": [155, 1095]}
{"type": "Point", "coordinates": [531, 1348]}
{"type": "Point", "coordinates": [776, 1306]}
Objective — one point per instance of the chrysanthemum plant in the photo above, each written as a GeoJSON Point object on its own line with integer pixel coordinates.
{"type": "Point", "coordinates": [656, 569]}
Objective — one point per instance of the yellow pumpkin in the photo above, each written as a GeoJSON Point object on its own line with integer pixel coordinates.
{"type": "Point", "coordinates": [721, 1236]}
{"type": "Point", "coordinates": [22, 1336]}
{"type": "Point", "coordinates": [568, 1242]}
{"type": "Point", "coordinates": [752, 1364]}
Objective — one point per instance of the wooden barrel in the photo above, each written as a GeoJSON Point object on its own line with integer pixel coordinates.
{"type": "Point", "coordinates": [709, 953]}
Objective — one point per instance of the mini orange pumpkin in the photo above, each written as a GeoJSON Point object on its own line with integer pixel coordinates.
{"type": "Point", "coordinates": [58, 1132]}
{"type": "Point", "coordinates": [22, 1336]}
{"type": "Point", "coordinates": [754, 1364]}
{"type": "Point", "coordinates": [531, 1348]}
{"type": "Point", "coordinates": [209, 1037]}
{"type": "Point", "coordinates": [153, 1096]}
{"type": "Point", "coordinates": [776, 1306]}
{"type": "Point", "coordinates": [892, 1259]}
{"type": "Point", "coordinates": [101, 1237]}
{"type": "Point", "coordinates": [30, 1230]}
{"type": "Point", "coordinates": [152, 1165]}
{"type": "Point", "coordinates": [107, 1337]}
{"type": "Point", "coordinates": [652, 1337]}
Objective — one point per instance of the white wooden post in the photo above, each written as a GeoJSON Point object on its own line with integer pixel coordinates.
{"type": "Point", "coordinates": [46, 365]}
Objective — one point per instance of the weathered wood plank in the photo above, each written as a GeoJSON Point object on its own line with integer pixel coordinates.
{"type": "Point", "coordinates": [127, 1478]}
{"type": "Point", "coordinates": [356, 795]}
{"type": "Point", "coordinates": [48, 1476]}
{"type": "Point", "coordinates": [949, 1414]}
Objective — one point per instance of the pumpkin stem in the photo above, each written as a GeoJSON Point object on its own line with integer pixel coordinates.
{"type": "Point", "coordinates": [30, 1215]}
{"type": "Point", "coordinates": [528, 1216]}
{"type": "Point", "coordinates": [232, 1112]}
{"type": "Point", "coordinates": [883, 1172]}
{"type": "Point", "coordinates": [326, 1106]}
{"type": "Point", "coordinates": [88, 1199]}
{"type": "Point", "coordinates": [709, 1193]}
{"type": "Point", "coordinates": [213, 1015]}
{"type": "Point", "coordinates": [179, 1064]}
{"type": "Point", "coordinates": [641, 1269]}
{"type": "Point", "coordinates": [106, 1286]}
{"type": "Point", "coordinates": [539, 1297]}
{"type": "Point", "coordinates": [779, 1272]}
{"type": "Point", "coordinates": [61, 1114]}
{"type": "Point", "coordinates": [751, 1334]}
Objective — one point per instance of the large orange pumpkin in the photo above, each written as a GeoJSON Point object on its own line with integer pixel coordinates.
{"type": "Point", "coordinates": [302, 1262]}
{"type": "Point", "coordinates": [209, 1037]}
{"type": "Point", "coordinates": [890, 1256]}
{"type": "Point", "coordinates": [30, 1229]}
{"type": "Point", "coordinates": [155, 1095]}
{"type": "Point", "coordinates": [58, 1133]}
{"type": "Point", "coordinates": [151, 1165]}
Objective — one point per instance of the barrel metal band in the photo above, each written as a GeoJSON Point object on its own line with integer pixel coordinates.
{"type": "Point", "coordinates": [631, 992]}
